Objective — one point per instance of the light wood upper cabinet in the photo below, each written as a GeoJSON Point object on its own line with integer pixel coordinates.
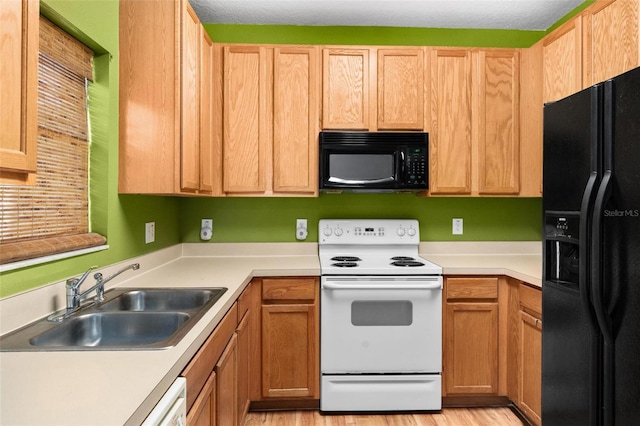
{"type": "Point", "coordinates": [450, 137]}
{"type": "Point", "coordinates": [611, 39]}
{"type": "Point", "coordinates": [190, 110]}
{"type": "Point", "coordinates": [562, 61]}
{"type": "Point", "coordinates": [271, 124]}
{"type": "Point", "coordinates": [246, 113]}
{"type": "Point", "coordinates": [161, 84]}
{"type": "Point", "coordinates": [345, 89]}
{"type": "Point", "coordinates": [498, 120]}
{"type": "Point", "coordinates": [401, 89]}
{"type": "Point", "coordinates": [373, 88]}
{"type": "Point", "coordinates": [206, 128]}
{"type": "Point", "coordinates": [295, 119]}
{"type": "Point", "coordinates": [19, 32]}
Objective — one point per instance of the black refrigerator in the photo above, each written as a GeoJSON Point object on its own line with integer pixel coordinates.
{"type": "Point", "coordinates": [591, 256]}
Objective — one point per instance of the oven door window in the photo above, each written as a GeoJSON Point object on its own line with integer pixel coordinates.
{"type": "Point", "coordinates": [362, 169]}
{"type": "Point", "coordinates": [367, 313]}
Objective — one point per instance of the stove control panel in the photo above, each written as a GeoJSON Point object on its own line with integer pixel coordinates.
{"type": "Point", "coordinates": [369, 231]}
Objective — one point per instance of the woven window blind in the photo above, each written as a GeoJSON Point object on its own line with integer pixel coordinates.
{"type": "Point", "coordinates": [52, 216]}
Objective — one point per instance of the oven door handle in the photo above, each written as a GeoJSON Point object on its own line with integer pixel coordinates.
{"type": "Point", "coordinates": [426, 286]}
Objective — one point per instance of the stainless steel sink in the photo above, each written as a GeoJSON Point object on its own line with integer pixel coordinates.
{"type": "Point", "coordinates": [159, 299]}
{"type": "Point", "coordinates": [128, 319]}
{"type": "Point", "coordinates": [113, 329]}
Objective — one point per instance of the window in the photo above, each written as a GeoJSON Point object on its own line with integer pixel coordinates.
{"type": "Point", "coordinates": [52, 215]}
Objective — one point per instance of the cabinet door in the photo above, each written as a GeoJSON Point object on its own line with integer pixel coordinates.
{"type": "Point", "coordinates": [227, 385]}
{"type": "Point", "coordinates": [246, 116]}
{"type": "Point", "coordinates": [244, 371]}
{"type": "Point", "coordinates": [498, 121]}
{"type": "Point", "coordinates": [190, 108]}
{"type": "Point", "coordinates": [206, 113]}
{"type": "Point", "coordinates": [401, 89]}
{"type": "Point", "coordinates": [19, 32]}
{"type": "Point", "coordinates": [530, 367]}
{"type": "Point", "coordinates": [611, 40]}
{"type": "Point", "coordinates": [562, 61]}
{"type": "Point", "coordinates": [290, 350]}
{"type": "Point", "coordinates": [471, 348]}
{"type": "Point", "coordinates": [295, 119]}
{"type": "Point", "coordinates": [345, 89]}
{"type": "Point", "coordinates": [203, 411]}
{"type": "Point", "coordinates": [450, 135]}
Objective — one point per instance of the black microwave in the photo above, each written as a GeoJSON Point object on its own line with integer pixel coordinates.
{"type": "Point", "coordinates": [373, 161]}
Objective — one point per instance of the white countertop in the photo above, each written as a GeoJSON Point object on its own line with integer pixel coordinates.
{"type": "Point", "coordinates": [122, 387]}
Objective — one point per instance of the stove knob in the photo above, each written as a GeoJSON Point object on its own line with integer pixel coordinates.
{"type": "Point", "coordinates": [400, 232]}
{"type": "Point", "coordinates": [411, 232]}
{"type": "Point", "coordinates": [327, 232]}
{"type": "Point", "coordinates": [338, 232]}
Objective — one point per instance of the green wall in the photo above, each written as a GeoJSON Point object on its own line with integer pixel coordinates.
{"type": "Point", "coordinates": [274, 219]}
{"type": "Point", "coordinates": [120, 218]}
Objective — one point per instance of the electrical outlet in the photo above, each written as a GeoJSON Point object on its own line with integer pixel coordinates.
{"type": "Point", "coordinates": [457, 227]}
{"type": "Point", "coordinates": [149, 232]}
{"type": "Point", "coordinates": [206, 229]}
{"type": "Point", "coordinates": [301, 229]}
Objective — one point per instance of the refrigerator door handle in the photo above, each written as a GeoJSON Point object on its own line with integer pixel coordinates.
{"type": "Point", "coordinates": [605, 323]}
{"type": "Point", "coordinates": [602, 198]}
{"type": "Point", "coordinates": [585, 283]}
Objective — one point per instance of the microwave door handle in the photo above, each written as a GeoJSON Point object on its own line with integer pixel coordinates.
{"type": "Point", "coordinates": [359, 182]}
{"type": "Point", "coordinates": [400, 167]}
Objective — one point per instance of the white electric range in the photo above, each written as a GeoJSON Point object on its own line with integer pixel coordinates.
{"type": "Point", "coordinates": [380, 317]}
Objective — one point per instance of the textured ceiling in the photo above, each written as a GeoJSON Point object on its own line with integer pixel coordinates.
{"type": "Point", "coordinates": [486, 14]}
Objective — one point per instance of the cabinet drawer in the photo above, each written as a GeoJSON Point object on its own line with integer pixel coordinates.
{"type": "Point", "coordinates": [201, 365]}
{"type": "Point", "coordinates": [289, 289]}
{"type": "Point", "coordinates": [472, 288]}
{"type": "Point", "coordinates": [531, 299]}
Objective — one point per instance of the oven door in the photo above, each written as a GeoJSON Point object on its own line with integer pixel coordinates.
{"type": "Point", "coordinates": [381, 324]}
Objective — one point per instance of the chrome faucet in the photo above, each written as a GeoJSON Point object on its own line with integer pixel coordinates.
{"type": "Point", "coordinates": [74, 297]}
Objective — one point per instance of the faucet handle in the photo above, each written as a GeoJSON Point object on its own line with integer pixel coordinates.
{"type": "Point", "coordinates": [76, 282]}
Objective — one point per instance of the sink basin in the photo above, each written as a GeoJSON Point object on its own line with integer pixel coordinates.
{"type": "Point", "coordinates": [128, 319]}
{"type": "Point", "coordinates": [159, 299]}
{"type": "Point", "coordinates": [113, 329]}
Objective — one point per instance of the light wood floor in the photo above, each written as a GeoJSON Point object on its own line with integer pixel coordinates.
{"type": "Point", "coordinates": [501, 416]}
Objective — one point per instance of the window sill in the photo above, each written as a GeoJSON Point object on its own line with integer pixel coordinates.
{"type": "Point", "coordinates": [50, 258]}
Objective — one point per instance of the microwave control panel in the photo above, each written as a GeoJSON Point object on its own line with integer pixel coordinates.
{"type": "Point", "coordinates": [416, 166]}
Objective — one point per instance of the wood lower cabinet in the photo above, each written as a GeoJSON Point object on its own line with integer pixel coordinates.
{"type": "Point", "coordinates": [203, 410]}
{"type": "Point", "coordinates": [470, 364]}
{"type": "Point", "coordinates": [211, 377]}
{"type": "Point", "coordinates": [290, 338]}
{"type": "Point", "coordinates": [226, 371]}
{"type": "Point", "coordinates": [530, 353]}
{"type": "Point", "coordinates": [249, 352]}
{"type": "Point", "coordinates": [19, 32]}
